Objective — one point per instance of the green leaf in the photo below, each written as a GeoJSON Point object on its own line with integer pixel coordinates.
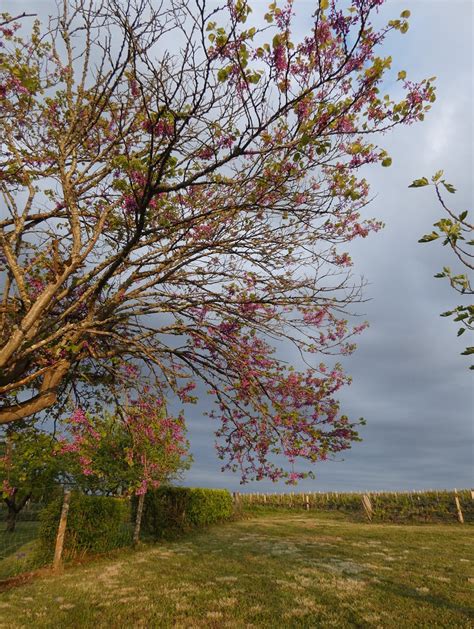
{"type": "Point", "coordinates": [468, 351]}
{"type": "Point", "coordinates": [429, 237]}
{"type": "Point", "coordinates": [222, 74]}
{"type": "Point", "coordinates": [405, 14]}
{"type": "Point", "coordinates": [387, 162]}
{"type": "Point", "coordinates": [305, 139]}
{"type": "Point", "coordinates": [419, 183]}
{"type": "Point", "coordinates": [437, 176]}
{"type": "Point", "coordinates": [402, 75]}
{"type": "Point", "coordinates": [461, 331]}
{"type": "Point", "coordinates": [449, 187]}
{"type": "Point", "coordinates": [463, 215]}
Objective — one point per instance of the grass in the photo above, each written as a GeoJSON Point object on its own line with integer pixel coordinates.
{"type": "Point", "coordinates": [17, 549]}
{"type": "Point", "coordinates": [272, 570]}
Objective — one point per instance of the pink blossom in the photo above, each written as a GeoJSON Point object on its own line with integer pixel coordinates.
{"type": "Point", "coordinates": [279, 58]}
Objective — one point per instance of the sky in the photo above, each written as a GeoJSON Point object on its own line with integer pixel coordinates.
{"type": "Point", "coordinates": [409, 381]}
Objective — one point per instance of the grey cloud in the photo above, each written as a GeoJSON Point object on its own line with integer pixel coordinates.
{"type": "Point", "coordinates": [410, 382]}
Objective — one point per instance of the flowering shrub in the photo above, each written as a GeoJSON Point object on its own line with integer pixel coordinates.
{"type": "Point", "coordinates": [128, 454]}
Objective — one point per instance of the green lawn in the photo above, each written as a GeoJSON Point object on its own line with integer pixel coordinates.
{"type": "Point", "coordinates": [274, 570]}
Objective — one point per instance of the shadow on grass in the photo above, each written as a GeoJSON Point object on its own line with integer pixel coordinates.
{"type": "Point", "coordinates": [405, 591]}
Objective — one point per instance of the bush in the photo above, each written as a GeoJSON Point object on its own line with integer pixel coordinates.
{"type": "Point", "coordinates": [94, 524]}
{"type": "Point", "coordinates": [169, 511]}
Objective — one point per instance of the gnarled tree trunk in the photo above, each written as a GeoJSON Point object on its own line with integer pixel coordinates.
{"type": "Point", "coordinates": [13, 511]}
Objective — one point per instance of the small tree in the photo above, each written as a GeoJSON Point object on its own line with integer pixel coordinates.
{"type": "Point", "coordinates": [28, 469]}
{"type": "Point", "coordinates": [126, 454]}
{"type": "Point", "coordinates": [457, 233]}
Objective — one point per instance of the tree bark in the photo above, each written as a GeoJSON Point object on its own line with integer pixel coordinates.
{"type": "Point", "coordinates": [45, 399]}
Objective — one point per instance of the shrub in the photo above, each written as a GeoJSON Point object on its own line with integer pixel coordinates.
{"type": "Point", "coordinates": [94, 524]}
{"type": "Point", "coordinates": [170, 511]}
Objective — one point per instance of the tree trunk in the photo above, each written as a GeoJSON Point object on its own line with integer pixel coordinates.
{"type": "Point", "coordinates": [138, 519]}
{"type": "Point", "coordinates": [11, 518]}
{"type": "Point", "coordinates": [14, 509]}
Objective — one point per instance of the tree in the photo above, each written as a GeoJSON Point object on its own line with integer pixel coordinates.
{"type": "Point", "coordinates": [183, 212]}
{"type": "Point", "coordinates": [457, 232]}
{"type": "Point", "coordinates": [124, 455]}
{"type": "Point", "coordinates": [129, 454]}
{"type": "Point", "coordinates": [28, 469]}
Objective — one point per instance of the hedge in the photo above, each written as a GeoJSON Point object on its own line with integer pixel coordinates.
{"type": "Point", "coordinates": [94, 524]}
{"type": "Point", "coordinates": [169, 511]}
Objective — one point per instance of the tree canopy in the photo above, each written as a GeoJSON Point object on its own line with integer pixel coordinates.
{"type": "Point", "coordinates": [177, 187]}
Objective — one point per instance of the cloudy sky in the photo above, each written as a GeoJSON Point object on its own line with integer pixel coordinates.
{"type": "Point", "coordinates": [409, 381]}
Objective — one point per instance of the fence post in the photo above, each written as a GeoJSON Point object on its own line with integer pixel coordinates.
{"type": "Point", "coordinates": [458, 507]}
{"type": "Point", "coordinates": [138, 519]}
{"type": "Point", "coordinates": [367, 504]}
{"type": "Point", "coordinates": [58, 551]}
{"type": "Point", "coordinates": [307, 502]}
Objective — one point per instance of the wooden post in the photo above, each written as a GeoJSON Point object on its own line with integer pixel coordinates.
{"type": "Point", "coordinates": [367, 504]}
{"type": "Point", "coordinates": [264, 498]}
{"type": "Point", "coordinates": [472, 494]}
{"type": "Point", "coordinates": [307, 502]}
{"type": "Point", "coordinates": [138, 519]}
{"type": "Point", "coordinates": [58, 551]}
{"type": "Point", "coordinates": [458, 507]}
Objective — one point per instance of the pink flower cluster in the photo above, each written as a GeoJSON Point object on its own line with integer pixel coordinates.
{"type": "Point", "coordinates": [163, 128]}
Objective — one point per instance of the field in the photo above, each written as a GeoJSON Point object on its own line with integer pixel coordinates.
{"type": "Point", "coordinates": [273, 569]}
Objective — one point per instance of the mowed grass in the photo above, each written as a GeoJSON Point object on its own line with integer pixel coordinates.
{"type": "Point", "coordinates": [273, 570]}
